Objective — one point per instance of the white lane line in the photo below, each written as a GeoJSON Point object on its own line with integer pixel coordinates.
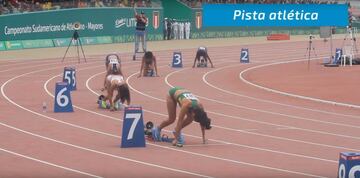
{"type": "Point", "coordinates": [279, 125]}
{"type": "Point", "coordinates": [103, 153]}
{"type": "Point", "coordinates": [218, 141]}
{"type": "Point", "coordinates": [206, 145]}
{"type": "Point", "coordinates": [269, 101]}
{"type": "Point", "coordinates": [218, 158]}
{"type": "Point", "coordinates": [48, 163]}
{"type": "Point", "coordinates": [198, 154]}
{"type": "Point", "coordinates": [26, 66]}
{"type": "Point", "coordinates": [290, 94]}
{"type": "Point", "coordinates": [241, 118]}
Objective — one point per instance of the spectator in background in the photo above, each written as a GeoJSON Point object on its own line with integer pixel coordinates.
{"type": "Point", "coordinates": [99, 3]}
{"type": "Point", "coordinates": [148, 3]}
{"type": "Point", "coordinates": [82, 4]}
{"type": "Point", "coordinates": [22, 6]}
{"type": "Point", "coordinates": [37, 7]}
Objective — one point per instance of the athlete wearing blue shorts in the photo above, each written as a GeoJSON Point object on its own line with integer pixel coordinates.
{"type": "Point", "coordinates": [202, 57]}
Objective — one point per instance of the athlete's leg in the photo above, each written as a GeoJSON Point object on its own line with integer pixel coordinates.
{"type": "Point", "coordinates": [110, 92]}
{"type": "Point", "coordinates": [171, 107]}
{"type": "Point", "coordinates": [117, 97]}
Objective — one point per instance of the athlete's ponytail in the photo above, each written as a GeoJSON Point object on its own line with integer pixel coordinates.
{"type": "Point", "coordinates": [202, 118]}
{"type": "Point", "coordinates": [124, 92]}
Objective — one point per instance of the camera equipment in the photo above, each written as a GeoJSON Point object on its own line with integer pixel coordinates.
{"type": "Point", "coordinates": [327, 32]}
{"type": "Point", "coordinates": [75, 40]}
{"type": "Point", "coordinates": [309, 48]}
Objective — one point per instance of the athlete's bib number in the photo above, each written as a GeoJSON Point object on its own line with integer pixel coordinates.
{"type": "Point", "coordinates": [190, 96]}
{"type": "Point", "coordinates": [120, 79]}
{"type": "Point", "coordinates": [113, 61]}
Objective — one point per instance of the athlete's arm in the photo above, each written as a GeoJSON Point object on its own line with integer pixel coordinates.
{"type": "Point", "coordinates": [194, 61]}
{"type": "Point", "coordinates": [203, 133]}
{"type": "Point", "coordinates": [110, 92]}
{"type": "Point", "coordinates": [209, 60]}
{"type": "Point", "coordinates": [155, 65]}
{"type": "Point", "coordinates": [144, 19]}
{"type": "Point", "coordinates": [105, 81]}
{"type": "Point", "coordinates": [188, 119]}
{"type": "Point", "coordinates": [142, 66]}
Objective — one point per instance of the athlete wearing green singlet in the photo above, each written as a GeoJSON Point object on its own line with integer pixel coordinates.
{"type": "Point", "coordinates": [191, 109]}
{"type": "Point", "coordinates": [179, 94]}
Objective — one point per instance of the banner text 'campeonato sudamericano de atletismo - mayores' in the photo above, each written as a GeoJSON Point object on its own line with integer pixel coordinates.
{"type": "Point", "coordinates": [275, 15]}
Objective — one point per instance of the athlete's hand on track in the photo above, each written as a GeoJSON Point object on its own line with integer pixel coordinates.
{"type": "Point", "coordinates": [205, 141]}
{"type": "Point", "coordinates": [174, 142]}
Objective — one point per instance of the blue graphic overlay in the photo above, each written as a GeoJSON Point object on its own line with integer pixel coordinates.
{"type": "Point", "coordinates": [275, 15]}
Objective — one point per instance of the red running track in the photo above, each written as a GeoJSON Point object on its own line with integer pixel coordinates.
{"type": "Point", "coordinates": [256, 133]}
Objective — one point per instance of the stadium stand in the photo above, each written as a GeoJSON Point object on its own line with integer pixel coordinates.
{"type": "Point", "coordinates": [24, 6]}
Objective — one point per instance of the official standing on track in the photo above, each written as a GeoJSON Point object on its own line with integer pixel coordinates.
{"type": "Point", "coordinates": [140, 33]}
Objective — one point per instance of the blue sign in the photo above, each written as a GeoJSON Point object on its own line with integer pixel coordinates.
{"type": "Point", "coordinates": [275, 15]}
{"type": "Point", "coordinates": [62, 98]}
{"type": "Point", "coordinates": [133, 128]}
{"type": "Point", "coordinates": [338, 54]}
{"type": "Point", "coordinates": [349, 165]}
{"type": "Point", "coordinates": [177, 60]}
{"type": "Point", "coordinates": [244, 56]}
{"type": "Point", "coordinates": [70, 77]}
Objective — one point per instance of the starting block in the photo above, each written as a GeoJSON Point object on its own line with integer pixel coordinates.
{"type": "Point", "coordinates": [164, 138]}
{"type": "Point", "coordinates": [106, 105]}
{"type": "Point", "coordinates": [244, 57]}
{"type": "Point", "coordinates": [132, 131]}
{"type": "Point", "coordinates": [103, 104]}
{"type": "Point", "coordinates": [177, 60]}
{"type": "Point", "coordinates": [349, 165]}
{"type": "Point", "coordinates": [70, 77]}
{"type": "Point", "coordinates": [150, 73]}
{"type": "Point", "coordinates": [62, 98]}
